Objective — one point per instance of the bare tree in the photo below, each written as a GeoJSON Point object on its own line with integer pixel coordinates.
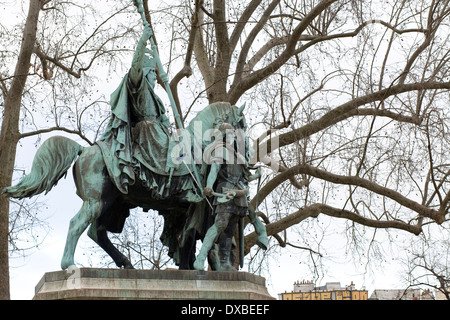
{"type": "Point", "coordinates": [50, 88]}
{"type": "Point", "coordinates": [140, 240]}
{"type": "Point", "coordinates": [427, 265]}
{"type": "Point", "coordinates": [356, 96]}
{"type": "Point", "coordinates": [27, 227]}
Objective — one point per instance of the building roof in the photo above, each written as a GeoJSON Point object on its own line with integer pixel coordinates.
{"type": "Point", "coordinates": [395, 294]}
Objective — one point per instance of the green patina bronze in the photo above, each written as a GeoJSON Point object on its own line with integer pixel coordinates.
{"type": "Point", "coordinates": [139, 162]}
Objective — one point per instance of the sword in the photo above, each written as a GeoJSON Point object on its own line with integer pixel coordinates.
{"type": "Point", "coordinates": [241, 242]}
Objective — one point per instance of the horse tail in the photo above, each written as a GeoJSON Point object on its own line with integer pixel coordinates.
{"type": "Point", "coordinates": [50, 164]}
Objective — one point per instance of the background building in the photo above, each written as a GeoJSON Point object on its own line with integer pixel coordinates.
{"type": "Point", "coordinates": [306, 290]}
{"type": "Point", "coordinates": [395, 294]}
{"type": "Point", "coordinates": [403, 294]}
{"type": "Point", "coordinates": [440, 295]}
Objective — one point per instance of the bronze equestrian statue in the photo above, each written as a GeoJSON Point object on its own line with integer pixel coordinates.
{"type": "Point", "coordinates": [138, 162]}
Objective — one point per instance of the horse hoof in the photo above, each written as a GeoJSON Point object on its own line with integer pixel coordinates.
{"type": "Point", "coordinates": [127, 264]}
{"type": "Point", "coordinates": [68, 265]}
{"type": "Point", "coordinates": [198, 266]}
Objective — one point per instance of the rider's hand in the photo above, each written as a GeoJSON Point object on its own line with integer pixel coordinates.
{"type": "Point", "coordinates": [164, 78]}
{"type": "Point", "coordinates": [146, 34]}
{"type": "Point", "coordinates": [208, 191]}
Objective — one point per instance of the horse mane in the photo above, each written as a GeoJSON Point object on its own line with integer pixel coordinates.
{"type": "Point", "coordinates": [212, 116]}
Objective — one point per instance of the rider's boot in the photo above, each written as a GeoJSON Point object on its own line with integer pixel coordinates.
{"type": "Point", "coordinates": [225, 251]}
{"type": "Point", "coordinates": [213, 258]}
{"type": "Point", "coordinates": [208, 242]}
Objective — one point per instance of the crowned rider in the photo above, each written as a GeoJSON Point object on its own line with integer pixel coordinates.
{"type": "Point", "coordinates": [137, 133]}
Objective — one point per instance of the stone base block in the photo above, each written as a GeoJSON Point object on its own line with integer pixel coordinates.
{"type": "Point", "coordinates": [122, 284]}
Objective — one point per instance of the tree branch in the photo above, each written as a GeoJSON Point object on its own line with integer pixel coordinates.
{"type": "Point", "coordinates": [348, 109]}
{"type": "Point", "coordinates": [250, 39]}
{"type": "Point", "coordinates": [348, 180]}
{"type": "Point", "coordinates": [290, 41]}
{"type": "Point", "coordinates": [240, 26]}
{"type": "Point", "coordinates": [76, 132]}
{"type": "Point", "coordinates": [186, 70]}
{"type": "Point", "coordinates": [379, 224]}
{"type": "Point", "coordinates": [314, 210]}
{"type": "Point", "coordinates": [247, 82]}
{"type": "Point", "coordinates": [201, 56]}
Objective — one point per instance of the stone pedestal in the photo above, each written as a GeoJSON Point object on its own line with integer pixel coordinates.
{"type": "Point", "coordinates": [112, 284]}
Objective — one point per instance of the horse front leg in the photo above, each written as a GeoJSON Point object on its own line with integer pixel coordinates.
{"type": "Point", "coordinates": [88, 213]}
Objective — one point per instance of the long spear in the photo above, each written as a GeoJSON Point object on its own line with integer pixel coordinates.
{"type": "Point", "coordinates": [162, 73]}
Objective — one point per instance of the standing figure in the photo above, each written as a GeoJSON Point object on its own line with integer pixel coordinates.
{"type": "Point", "coordinates": [229, 175]}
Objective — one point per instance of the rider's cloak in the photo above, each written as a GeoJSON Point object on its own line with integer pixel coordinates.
{"type": "Point", "coordinates": [117, 141]}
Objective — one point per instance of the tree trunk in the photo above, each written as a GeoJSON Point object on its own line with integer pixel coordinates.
{"type": "Point", "coordinates": [218, 91]}
{"type": "Point", "coordinates": [9, 136]}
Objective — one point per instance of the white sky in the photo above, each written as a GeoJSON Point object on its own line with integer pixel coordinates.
{"type": "Point", "coordinates": [63, 204]}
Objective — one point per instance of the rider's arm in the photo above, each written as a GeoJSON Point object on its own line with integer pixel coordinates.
{"type": "Point", "coordinates": [255, 176]}
{"type": "Point", "coordinates": [136, 72]}
{"type": "Point", "coordinates": [212, 176]}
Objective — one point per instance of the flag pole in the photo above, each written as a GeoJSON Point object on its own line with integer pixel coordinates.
{"type": "Point", "coordinates": [162, 73]}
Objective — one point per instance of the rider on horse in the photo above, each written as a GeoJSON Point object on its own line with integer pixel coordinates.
{"type": "Point", "coordinates": [137, 139]}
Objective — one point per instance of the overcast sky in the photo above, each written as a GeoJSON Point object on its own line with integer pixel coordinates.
{"type": "Point", "coordinates": [62, 204]}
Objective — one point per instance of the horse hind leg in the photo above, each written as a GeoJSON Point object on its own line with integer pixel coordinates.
{"type": "Point", "coordinates": [187, 251]}
{"type": "Point", "coordinates": [88, 213]}
{"type": "Point", "coordinates": [97, 232]}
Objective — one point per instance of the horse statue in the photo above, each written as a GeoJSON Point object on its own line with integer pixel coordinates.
{"type": "Point", "coordinates": [105, 207]}
{"type": "Point", "coordinates": [138, 162]}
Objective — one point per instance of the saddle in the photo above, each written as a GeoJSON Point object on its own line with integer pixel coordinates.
{"type": "Point", "coordinates": [152, 162]}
